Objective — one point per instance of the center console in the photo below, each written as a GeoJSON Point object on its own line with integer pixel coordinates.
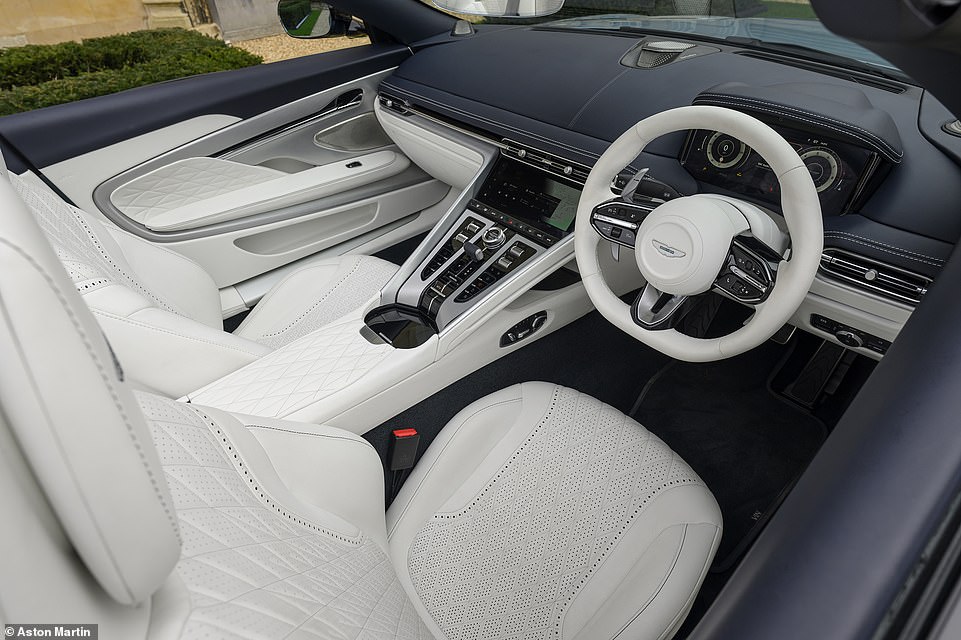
{"type": "Point", "coordinates": [517, 213]}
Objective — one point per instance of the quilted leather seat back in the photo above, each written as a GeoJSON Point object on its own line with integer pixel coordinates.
{"type": "Point", "coordinates": [91, 257]}
{"type": "Point", "coordinates": [256, 561]}
{"type": "Point", "coordinates": [79, 429]}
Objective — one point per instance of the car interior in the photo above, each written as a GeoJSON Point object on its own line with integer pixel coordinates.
{"type": "Point", "coordinates": [578, 327]}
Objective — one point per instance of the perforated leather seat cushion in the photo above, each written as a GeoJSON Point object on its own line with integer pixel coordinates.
{"type": "Point", "coordinates": [560, 504]}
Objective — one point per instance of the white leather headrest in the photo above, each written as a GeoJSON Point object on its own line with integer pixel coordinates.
{"type": "Point", "coordinates": [79, 427]}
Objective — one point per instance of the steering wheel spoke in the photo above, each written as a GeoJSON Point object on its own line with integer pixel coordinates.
{"type": "Point", "coordinates": [695, 249]}
{"type": "Point", "coordinates": [618, 221]}
{"type": "Point", "coordinates": [656, 310]}
{"type": "Point", "coordinates": [746, 277]}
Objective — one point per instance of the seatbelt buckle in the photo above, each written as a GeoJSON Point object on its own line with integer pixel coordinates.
{"type": "Point", "coordinates": [403, 449]}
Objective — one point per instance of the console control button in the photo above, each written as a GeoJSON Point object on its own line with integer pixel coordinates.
{"type": "Point", "coordinates": [849, 339]}
{"type": "Point", "coordinates": [850, 336]}
{"type": "Point", "coordinates": [494, 238]}
{"type": "Point", "coordinates": [524, 329]}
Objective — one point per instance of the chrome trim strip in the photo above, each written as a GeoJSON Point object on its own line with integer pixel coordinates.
{"type": "Point", "coordinates": [614, 221]}
{"type": "Point", "coordinates": [295, 126]}
{"type": "Point", "coordinates": [908, 289]}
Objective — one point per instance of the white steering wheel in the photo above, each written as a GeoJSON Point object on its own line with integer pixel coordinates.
{"type": "Point", "coordinates": [692, 245]}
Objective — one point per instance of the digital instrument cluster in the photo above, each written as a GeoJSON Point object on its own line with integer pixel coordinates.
{"type": "Point", "coordinates": [840, 170]}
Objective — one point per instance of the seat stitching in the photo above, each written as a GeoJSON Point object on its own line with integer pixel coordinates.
{"type": "Point", "coordinates": [138, 446]}
{"type": "Point", "coordinates": [309, 434]}
{"type": "Point", "coordinates": [174, 333]}
{"type": "Point", "coordinates": [316, 303]}
{"type": "Point", "coordinates": [257, 487]}
{"type": "Point", "coordinates": [660, 587]}
{"type": "Point", "coordinates": [446, 445]}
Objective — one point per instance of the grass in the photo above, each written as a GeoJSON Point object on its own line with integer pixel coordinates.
{"type": "Point", "coordinates": [307, 26]}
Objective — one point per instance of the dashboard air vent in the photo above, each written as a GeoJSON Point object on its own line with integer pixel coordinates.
{"type": "Point", "coordinates": [873, 276]}
{"type": "Point", "coordinates": [546, 161]}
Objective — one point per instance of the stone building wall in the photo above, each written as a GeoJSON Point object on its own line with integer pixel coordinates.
{"type": "Point", "coordinates": [45, 22]}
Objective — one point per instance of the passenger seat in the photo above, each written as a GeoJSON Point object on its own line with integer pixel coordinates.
{"type": "Point", "coordinates": [161, 311]}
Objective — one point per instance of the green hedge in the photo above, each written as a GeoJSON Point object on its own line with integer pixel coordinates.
{"type": "Point", "coordinates": [37, 76]}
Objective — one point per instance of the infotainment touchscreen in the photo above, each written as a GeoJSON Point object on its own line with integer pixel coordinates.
{"type": "Point", "coordinates": [531, 195]}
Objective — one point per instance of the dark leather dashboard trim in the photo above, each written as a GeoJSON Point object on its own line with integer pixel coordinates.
{"type": "Point", "coordinates": [889, 245]}
{"type": "Point", "coordinates": [851, 117]}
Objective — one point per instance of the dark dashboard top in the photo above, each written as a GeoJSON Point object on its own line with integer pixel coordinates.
{"type": "Point", "coordinates": [568, 93]}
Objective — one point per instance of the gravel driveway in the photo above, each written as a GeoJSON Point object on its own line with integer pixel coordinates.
{"type": "Point", "coordinates": [283, 47]}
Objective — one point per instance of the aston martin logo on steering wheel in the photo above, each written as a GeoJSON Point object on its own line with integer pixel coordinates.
{"type": "Point", "coordinates": [667, 250]}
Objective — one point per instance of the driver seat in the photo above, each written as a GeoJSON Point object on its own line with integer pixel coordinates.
{"type": "Point", "coordinates": [538, 512]}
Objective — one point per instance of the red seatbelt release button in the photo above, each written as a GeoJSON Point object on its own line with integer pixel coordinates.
{"type": "Point", "coordinates": [403, 449]}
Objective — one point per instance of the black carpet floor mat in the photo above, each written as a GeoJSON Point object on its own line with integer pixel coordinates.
{"type": "Point", "coordinates": [745, 442]}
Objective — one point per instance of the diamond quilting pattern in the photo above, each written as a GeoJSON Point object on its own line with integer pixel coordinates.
{"type": "Point", "coordinates": [255, 570]}
{"type": "Point", "coordinates": [185, 182]}
{"type": "Point", "coordinates": [86, 260]}
{"type": "Point", "coordinates": [511, 562]}
{"type": "Point", "coordinates": [300, 373]}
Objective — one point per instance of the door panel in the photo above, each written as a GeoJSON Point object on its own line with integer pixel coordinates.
{"type": "Point", "coordinates": [244, 193]}
{"type": "Point", "coordinates": [48, 136]}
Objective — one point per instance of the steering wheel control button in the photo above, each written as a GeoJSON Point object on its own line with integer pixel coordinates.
{"type": "Point", "coordinates": [738, 288]}
{"type": "Point", "coordinates": [618, 222]}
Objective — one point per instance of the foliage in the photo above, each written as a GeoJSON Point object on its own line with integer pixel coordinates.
{"type": "Point", "coordinates": [37, 76]}
{"type": "Point", "coordinates": [291, 12]}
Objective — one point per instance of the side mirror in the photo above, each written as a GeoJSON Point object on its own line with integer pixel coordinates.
{"type": "Point", "coordinates": [305, 18]}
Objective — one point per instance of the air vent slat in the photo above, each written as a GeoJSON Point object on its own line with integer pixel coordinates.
{"type": "Point", "coordinates": [874, 277]}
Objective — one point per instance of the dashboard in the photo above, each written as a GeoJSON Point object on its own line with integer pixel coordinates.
{"type": "Point", "coordinates": [887, 171]}
{"type": "Point", "coordinates": [841, 171]}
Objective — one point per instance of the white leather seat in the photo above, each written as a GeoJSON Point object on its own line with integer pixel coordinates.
{"type": "Point", "coordinates": [161, 311]}
{"type": "Point", "coordinates": [537, 513]}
